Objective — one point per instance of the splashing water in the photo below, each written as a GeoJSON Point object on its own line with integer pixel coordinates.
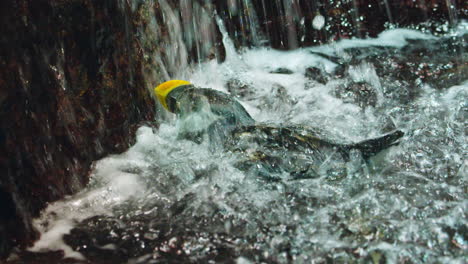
{"type": "Point", "coordinates": [170, 199]}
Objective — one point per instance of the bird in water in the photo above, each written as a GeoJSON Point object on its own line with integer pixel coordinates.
{"type": "Point", "coordinates": [202, 111]}
{"type": "Point", "coordinates": [269, 150]}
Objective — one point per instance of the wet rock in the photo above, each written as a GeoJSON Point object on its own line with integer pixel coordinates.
{"type": "Point", "coordinates": [402, 72]}
{"type": "Point", "coordinates": [440, 63]}
{"type": "Point", "coordinates": [339, 71]}
{"type": "Point", "coordinates": [359, 93]}
{"type": "Point", "coordinates": [289, 25]}
{"type": "Point", "coordinates": [458, 235]}
{"type": "Point", "coordinates": [282, 71]}
{"type": "Point", "coordinates": [376, 257]}
{"type": "Point", "coordinates": [56, 257]}
{"type": "Point", "coordinates": [316, 74]}
{"type": "Point", "coordinates": [158, 237]}
{"type": "Point", "coordinates": [73, 90]}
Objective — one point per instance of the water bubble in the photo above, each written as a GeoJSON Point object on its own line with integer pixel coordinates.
{"type": "Point", "coordinates": [318, 22]}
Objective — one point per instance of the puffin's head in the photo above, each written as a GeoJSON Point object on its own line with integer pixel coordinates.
{"type": "Point", "coordinates": [162, 90]}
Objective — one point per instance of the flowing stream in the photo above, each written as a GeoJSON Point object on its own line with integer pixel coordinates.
{"type": "Point", "coordinates": [167, 199]}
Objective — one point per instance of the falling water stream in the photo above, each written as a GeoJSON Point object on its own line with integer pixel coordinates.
{"type": "Point", "coordinates": [168, 199]}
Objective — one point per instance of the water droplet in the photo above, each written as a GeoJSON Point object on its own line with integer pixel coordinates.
{"type": "Point", "coordinates": [318, 22]}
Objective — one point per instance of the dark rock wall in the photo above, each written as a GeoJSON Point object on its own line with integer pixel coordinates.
{"type": "Point", "coordinates": [287, 24]}
{"type": "Point", "coordinates": [72, 89]}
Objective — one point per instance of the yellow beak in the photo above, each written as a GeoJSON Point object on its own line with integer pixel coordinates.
{"type": "Point", "coordinates": [162, 90]}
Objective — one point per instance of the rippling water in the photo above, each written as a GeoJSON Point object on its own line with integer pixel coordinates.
{"type": "Point", "coordinates": [174, 200]}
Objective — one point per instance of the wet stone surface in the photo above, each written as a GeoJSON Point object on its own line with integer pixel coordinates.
{"type": "Point", "coordinates": [317, 74]}
{"type": "Point", "coordinates": [282, 71]}
{"type": "Point", "coordinates": [72, 91]}
{"type": "Point", "coordinates": [358, 93]}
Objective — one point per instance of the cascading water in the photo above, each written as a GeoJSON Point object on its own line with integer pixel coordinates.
{"type": "Point", "coordinates": [169, 200]}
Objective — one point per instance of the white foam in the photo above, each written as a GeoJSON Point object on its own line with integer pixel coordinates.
{"type": "Point", "coordinates": [253, 66]}
{"type": "Point", "coordinates": [242, 260]}
{"type": "Point", "coordinates": [267, 59]}
{"type": "Point", "coordinates": [396, 38]}
{"type": "Point", "coordinates": [51, 239]}
{"type": "Point", "coordinates": [109, 186]}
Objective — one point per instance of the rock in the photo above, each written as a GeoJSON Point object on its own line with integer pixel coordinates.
{"type": "Point", "coordinates": [282, 71]}
{"type": "Point", "coordinates": [166, 235]}
{"type": "Point", "coordinates": [359, 93]}
{"type": "Point", "coordinates": [339, 71]}
{"type": "Point", "coordinates": [290, 24]}
{"type": "Point", "coordinates": [73, 90]}
{"type": "Point", "coordinates": [316, 74]}
{"type": "Point", "coordinates": [376, 257]}
{"type": "Point", "coordinates": [439, 63]}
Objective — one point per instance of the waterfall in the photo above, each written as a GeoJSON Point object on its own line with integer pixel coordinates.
{"type": "Point", "coordinates": [96, 161]}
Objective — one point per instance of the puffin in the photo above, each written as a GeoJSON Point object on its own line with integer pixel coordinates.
{"type": "Point", "coordinates": [202, 111]}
